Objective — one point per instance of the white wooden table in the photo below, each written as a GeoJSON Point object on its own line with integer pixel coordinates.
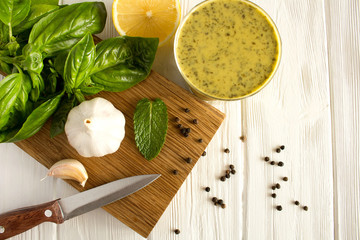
{"type": "Point", "coordinates": [311, 106]}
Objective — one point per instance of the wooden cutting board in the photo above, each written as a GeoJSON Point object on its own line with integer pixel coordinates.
{"type": "Point", "coordinates": [141, 210]}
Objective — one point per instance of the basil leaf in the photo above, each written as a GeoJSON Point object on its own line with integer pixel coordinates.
{"type": "Point", "coordinates": [60, 116]}
{"type": "Point", "coordinates": [12, 12]}
{"type": "Point", "coordinates": [79, 63]}
{"type": "Point", "coordinates": [35, 120]}
{"type": "Point", "coordinates": [37, 85]}
{"type": "Point", "coordinates": [48, 2]}
{"type": "Point", "coordinates": [9, 90]}
{"type": "Point", "coordinates": [5, 68]}
{"type": "Point", "coordinates": [63, 28]}
{"type": "Point", "coordinates": [59, 62]}
{"type": "Point", "coordinates": [37, 12]}
{"type": "Point", "coordinates": [122, 62]}
{"type": "Point", "coordinates": [150, 126]}
{"type": "Point", "coordinates": [4, 34]}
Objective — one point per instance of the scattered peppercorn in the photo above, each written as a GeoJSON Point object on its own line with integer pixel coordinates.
{"type": "Point", "coordinates": [267, 159]}
{"type": "Point", "coordinates": [223, 179]}
{"type": "Point", "coordinates": [305, 208]}
{"type": "Point", "coordinates": [226, 150]}
{"type": "Point", "coordinates": [232, 166]}
{"type": "Point", "coordinates": [214, 199]}
{"type": "Point", "coordinates": [227, 171]}
{"type": "Point", "coordinates": [227, 175]}
{"type": "Point", "coordinates": [220, 201]}
{"type": "Point", "coordinates": [273, 195]}
{"type": "Point", "coordinates": [285, 179]}
{"type": "Point", "coordinates": [243, 138]}
{"type": "Point", "coordinates": [233, 171]}
{"type": "Point", "coordinates": [207, 189]}
{"type": "Point", "coordinates": [183, 130]}
{"type": "Point", "coordinates": [179, 125]}
{"type": "Point", "coordinates": [177, 231]}
{"type": "Point", "coordinates": [279, 207]}
{"type": "Point", "coordinates": [200, 140]}
{"type": "Point", "coordinates": [278, 150]}
{"type": "Point", "coordinates": [175, 172]}
{"type": "Point", "coordinates": [188, 160]}
{"type": "Point", "coordinates": [203, 154]}
{"type": "Point", "coordinates": [195, 121]}
{"type": "Point", "coordinates": [282, 147]}
{"type": "Point", "coordinates": [272, 163]}
{"type": "Point", "coordinates": [187, 110]}
{"type": "Point", "coordinates": [187, 130]}
{"type": "Point", "coordinates": [297, 203]}
{"type": "Point", "coordinates": [223, 205]}
{"type": "Point", "coordinates": [177, 119]}
{"type": "Point", "coordinates": [186, 134]}
{"type": "Point", "coordinates": [277, 186]}
{"type": "Point", "coordinates": [280, 164]}
{"type": "Point", "coordinates": [273, 187]}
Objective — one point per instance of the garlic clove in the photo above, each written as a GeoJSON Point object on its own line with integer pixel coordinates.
{"type": "Point", "coordinates": [69, 169]}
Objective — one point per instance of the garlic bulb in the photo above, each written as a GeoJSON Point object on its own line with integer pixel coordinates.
{"type": "Point", "coordinates": [69, 169]}
{"type": "Point", "coordinates": [95, 128]}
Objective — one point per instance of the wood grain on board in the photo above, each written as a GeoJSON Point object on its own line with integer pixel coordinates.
{"type": "Point", "coordinates": [141, 210]}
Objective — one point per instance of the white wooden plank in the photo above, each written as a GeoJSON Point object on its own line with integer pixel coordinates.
{"type": "Point", "coordinates": [292, 110]}
{"type": "Point", "coordinates": [343, 30]}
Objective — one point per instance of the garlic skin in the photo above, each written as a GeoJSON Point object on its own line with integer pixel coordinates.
{"type": "Point", "coordinates": [95, 128]}
{"type": "Point", "coordinates": [69, 169]}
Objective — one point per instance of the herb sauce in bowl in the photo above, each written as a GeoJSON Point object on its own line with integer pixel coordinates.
{"type": "Point", "coordinates": [227, 49]}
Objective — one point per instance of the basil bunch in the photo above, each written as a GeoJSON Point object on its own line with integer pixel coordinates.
{"type": "Point", "coordinates": [52, 63]}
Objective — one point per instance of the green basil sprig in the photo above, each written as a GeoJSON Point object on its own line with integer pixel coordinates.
{"type": "Point", "coordinates": [12, 12]}
{"type": "Point", "coordinates": [61, 30]}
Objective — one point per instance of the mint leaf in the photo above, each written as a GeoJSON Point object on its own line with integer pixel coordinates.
{"type": "Point", "coordinates": [150, 126]}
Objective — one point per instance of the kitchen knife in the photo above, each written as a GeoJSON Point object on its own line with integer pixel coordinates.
{"type": "Point", "coordinates": [57, 211]}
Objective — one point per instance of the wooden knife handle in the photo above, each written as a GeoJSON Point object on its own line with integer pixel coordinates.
{"type": "Point", "coordinates": [21, 220]}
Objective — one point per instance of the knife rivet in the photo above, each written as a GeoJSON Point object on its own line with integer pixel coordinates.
{"type": "Point", "coordinates": [48, 213]}
{"type": "Point", "coordinates": [2, 229]}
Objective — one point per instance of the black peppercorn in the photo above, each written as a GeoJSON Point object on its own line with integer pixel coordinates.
{"type": "Point", "coordinates": [279, 207]}
{"type": "Point", "coordinates": [243, 138]}
{"type": "Point", "coordinates": [214, 199]}
{"type": "Point", "coordinates": [177, 231]}
{"type": "Point", "coordinates": [305, 208]}
{"type": "Point", "coordinates": [223, 179]}
{"type": "Point", "coordinates": [232, 166]}
{"type": "Point", "coordinates": [177, 119]}
{"type": "Point", "coordinates": [297, 203]}
{"type": "Point", "coordinates": [226, 150]}
{"type": "Point", "coordinates": [188, 160]}
{"type": "Point", "coordinates": [272, 163]}
{"type": "Point", "coordinates": [273, 195]}
{"type": "Point", "coordinates": [179, 125]}
{"type": "Point", "coordinates": [267, 159]}
{"type": "Point", "coordinates": [207, 189]}
{"type": "Point", "coordinates": [220, 201]}
{"type": "Point", "coordinates": [227, 171]}
{"type": "Point", "coordinates": [183, 130]}
{"type": "Point", "coordinates": [200, 140]}
{"type": "Point", "coordinates": [195, 121]}
{"type": "Point", "coordinates": [280, 164]}
{"type": "Point", "coordinates": [282, 147]}
{"type": "Point", "coordinates": [233, 171]}
{"type": "Point", "coordinates": [273, 187]}
{"type": "Point", "coordinates": [187, 130]}
{"type": "Point", "coordinates": [187, 110]}
{"type": "Point", "coordinates": [186, 134]}
{"type": "Point", "coordinates": [227, 175]}
{"type": "Point", "coordinates": [285, 179]}
{"type": "Point", "coordinates": [277, 186]}
{"type": "Point", "coordinates": [278, 150]}
{"type": "Point", "coordinates": [175, 172]}
{"type": "Point", "coordinates": [223, 205]}
{"type": "Point", "coordinates": [203, 154]}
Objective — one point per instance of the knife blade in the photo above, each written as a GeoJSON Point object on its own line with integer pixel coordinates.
{"type": "Point", "coordinates": [57, 211]}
